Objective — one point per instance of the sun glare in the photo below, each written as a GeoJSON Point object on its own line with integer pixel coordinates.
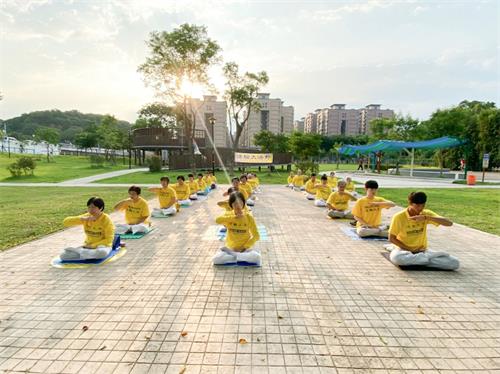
{"type": "Point", "coordinates": [191, 89]}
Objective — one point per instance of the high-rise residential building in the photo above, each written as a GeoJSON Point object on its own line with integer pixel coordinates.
{"type": "Point", "coordinates": [337, 120]}
{"type": "Point", "coordinates": [311, 122]}
{"type": "Point", "coordinates": [206, 109]}
{"type": "Point", "coordinates": [371, 112]}
{"type": "Point", "coordinates": [298, 125]}
{"type": "Point", "coordinates": [273, 116]}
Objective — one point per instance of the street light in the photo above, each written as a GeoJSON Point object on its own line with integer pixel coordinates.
{"type": "Point", "coordinates": [212, 123]}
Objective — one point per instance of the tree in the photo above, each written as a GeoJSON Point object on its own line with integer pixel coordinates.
{"type": "Point", "coordinates": [241, 94]}
{"type": "Point", "coordinates": [109, 136]}
{"type": "Point", "coordinates": [87, 139]}
{"type": "Point", "coordinates": [156, 115]}
{"type": "Point", "coordinates": [400, 127]}
{"type": "Point", "coordinates": [305, 148]}
{"type": "Point", "coordinates": [182, 56]}
{"type": "Point", "coordinates": [49, 136]}
{"type": "Point", "coordinates": [264, 140]}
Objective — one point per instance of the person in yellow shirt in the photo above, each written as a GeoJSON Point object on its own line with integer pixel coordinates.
{"type": "Point", "coordinates": [298, 181]}
{"type": "Point", "coordinates": [167, 198]}
{"type": "Point", "coordinates": [202, 186]}
{"type": "Point", "coordinates": [368, 212]}
{"type": "Point", "coordinates": [193, 187]}
{"type": "Point", "coordinates": [242, 234]}
{"type": "Point", "coordinates": [213, 180]}
{"type": "Point", "coordinates": [99, 233]}
{"type": "Point", "coordinates": [245, 186]}
{"type": "Point", "coordinates": [289, 180]}
{"type": "Point", "coordinates": [338, 202]}
{"type": "Point", "coordinates": [310, 187]}
{"type": "Point", "coordinates": [332, 180]}
{"type": "Point", "coordinates": [408, 235]}
{"type": "Point", "coordinates": [351, 188]}
{"type": "Point", "coordinates": [322, 192]}
{"type": "Point", "coordinates": [182, 191]}
{"type": "Point", "coordinates": [136, 213]}
{"type": "Point", "coordinates": [253, 181]}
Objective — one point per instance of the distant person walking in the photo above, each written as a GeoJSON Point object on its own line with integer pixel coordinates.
{"type": "Point", "coordinates": [360, 163]}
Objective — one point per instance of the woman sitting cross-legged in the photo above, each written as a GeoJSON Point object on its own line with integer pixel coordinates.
{"type": "Point", "coordinates": [99, 231]}
{"type": "Point", "coordinates": [242, 234]}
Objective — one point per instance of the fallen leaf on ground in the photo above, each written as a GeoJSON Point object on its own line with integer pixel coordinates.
{"type": "Point", "coordinates": [85, 328]}
{"type": "Point", "coordinates": [184, 333]}
{"type": "Point", "coordinates": [183, 370]}
{"type": "Point", "coordinates": [382, 340]}
{"type": "Point", "coordinates": [102, 348]}
{"type": "Point", "coordinates": [243, 341]}
{"type": "Point", "coordinates": [420, 310]}
{"type": "Point", "coordinates": [280, 317]}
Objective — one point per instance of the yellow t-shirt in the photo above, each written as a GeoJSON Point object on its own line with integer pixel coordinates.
{"type": "Point", "coordinates": [193, 186]}
{"type": "Point", "coordinates": [350, 187]}
{"type": "Point", "coordinates": [323, 192]}
{"type": "Point", "coordinates": [241, 231]}
{"type": "Point", "coordinates": [98, 232]}
{"type": "Point", "coordinates": [202, 186]}
{"type": "Point", "coordinates": [289, 180]}
{"type": "Point", "coordinates": [166, 196]}
{"type": "Point", "coordinates": [253, 183]}
{"type": "Point", "coordinates": [371, 215]}
{"type": "Point", "coordinates": [136, 211]}
{"type": "Point", "coordinates": [310, 186]}
{"type": "Point", "coordinates": [339, 201]}
{"type": "Point", "coordinates": [207, 180]}
{"type": "Point", "coordinates": [298, 180]}
{"type": "Point", "coordinates": [213, 179]}
{"type": "Point", "coordinates": [412, 233]}
{"type": "Point", "coordinates": [332, 182]}
{"type": "Point", "coordinates": [183, 191]}
{"type": "Point", "coordinates": [247, 188]}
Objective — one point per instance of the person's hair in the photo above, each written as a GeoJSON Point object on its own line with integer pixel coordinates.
{"type": "Point", "coordinates": [236, 196]}
{"type": "Point", "coordinates": [135, 189]}
{"type": "Point", "coordinates": [190, 175]}
{"type": "Point", "coordinates": [165, 179]}
{"type": "Point", "coordinates": [181, 177]}
{"type": "Point", "coordinates": [313, 174]}
{"type": "Point", "coordinates": [235, 179]}
{"type": "Point", "coordinates": [324, 177]}
{"type": "Point", "coordinates": [343, 183]}
{"type": "Point", "coordinates": [417, 197]}
{"type": "Point", "coordinates": [243, 176]}
{"type": "Point", "coordinates": [348, 178]}
{"type": "Point", "coordinates": [332, 172]}
{"type": "Point", "coordinates": [371, 184]}
{"type": "Point", "coordinates": [200, 175]}
{"type": "Point", "coordinates": [97, 202]}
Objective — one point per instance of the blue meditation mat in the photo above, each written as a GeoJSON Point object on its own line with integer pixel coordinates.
{"type": "Point", "coordinates": [240, 263]}
{"type": "Point", "coordinates": [351, 232]}
{"type": "Point", "coordinates": [115, 254]}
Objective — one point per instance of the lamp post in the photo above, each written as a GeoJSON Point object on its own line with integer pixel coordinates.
{"type": "Point", "coordinates": [212, 123]}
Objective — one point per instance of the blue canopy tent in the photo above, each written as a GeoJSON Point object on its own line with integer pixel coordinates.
{"type": "Point", "coordinates": [393, 145]}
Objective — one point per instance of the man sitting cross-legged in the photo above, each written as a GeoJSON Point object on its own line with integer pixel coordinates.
{"type": "Point", "coordinates": [338, 202]}
{"type": "Point", "coordinates": [99, 232]}
{"type": "Point", "coordinates": [182, 191]}
{"type": "Point", "coordinates": [323, 192]}
{"type": "Point", "coordinates": [167, 198]}
{"type": "Point", "coordinates": [136, 213]}
{"type": "Point", "coordinates": [408, 235]}
{"type": "Point", "coordinates": [368, 212]}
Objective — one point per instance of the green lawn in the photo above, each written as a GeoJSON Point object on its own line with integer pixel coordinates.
{"type": "Point", "coordinates": [477, 208]}
{"type": "Point", "coordinates": [59, 169]}
{"type": "Point", "coordinates": [32, 212]}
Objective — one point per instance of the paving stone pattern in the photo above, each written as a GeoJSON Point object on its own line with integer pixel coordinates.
{"type": "Point", "coordinates": [321, 303]}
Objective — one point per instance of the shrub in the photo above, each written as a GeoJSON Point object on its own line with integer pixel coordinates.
{"type": "Point", "coordinates": [307, 167]}
{"type": "Point", "coordinates": [154, 164]}
{"type": "Point", "coordinates": [96, 161]}
{"type": "Point", "coordinates": [24, 165]}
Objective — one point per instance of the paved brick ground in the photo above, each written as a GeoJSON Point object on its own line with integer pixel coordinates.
{"type": "Point", "coordinates": [321, 303]}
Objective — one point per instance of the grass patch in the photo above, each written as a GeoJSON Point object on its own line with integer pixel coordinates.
{"type": "Point", "coordinates": [32, 212]}
{"type": "Point", "coordinates": [477, 208]}
{"type": "Point", "coordinates": [59, 169]}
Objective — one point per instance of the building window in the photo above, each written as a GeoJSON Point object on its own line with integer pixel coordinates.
{"type": "Point", "coordinates": [343, 126]}
{"type": "Point", "coordinates": [282, 125]}
{"type": "Point", "coordinates": [208, 125]}
{"type": "Point", "coordinates": [264, 120]}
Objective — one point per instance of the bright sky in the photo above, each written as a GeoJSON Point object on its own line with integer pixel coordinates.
{"type": "Point", "coordinates": [410, 56]}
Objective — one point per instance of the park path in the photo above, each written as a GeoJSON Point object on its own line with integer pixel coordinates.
{"type": "Point", "coordinates": [320, 303]}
